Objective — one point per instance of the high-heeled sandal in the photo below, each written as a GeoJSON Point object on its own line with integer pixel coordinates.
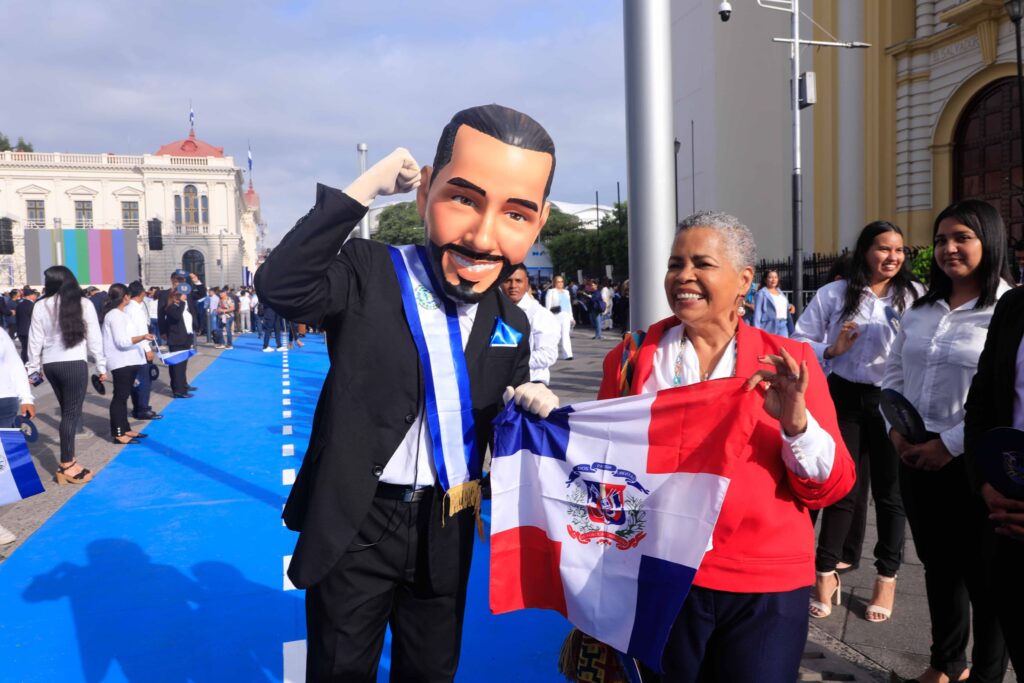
{"type": "Point", "coordinates": [82, 477]}
{"type": "Point", "coordinates": [878, 610]}
{"type": "Point", "coordinates": [820, 610]}
{"type": "Point", "coordinates": [138, 435]}
{"type": "Point", "coordinates": [117, 440]}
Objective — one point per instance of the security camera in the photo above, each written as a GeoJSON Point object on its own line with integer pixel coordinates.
{"type": "Point", "coordinates": [724, 10]}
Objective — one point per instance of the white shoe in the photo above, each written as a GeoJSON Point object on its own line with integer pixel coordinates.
{"type": "Point", "coordinates": [6, 536]}
{"type": "Point", "coordinates": [267, 349]}
{"type": "Point", "coordinates": [281, 349]}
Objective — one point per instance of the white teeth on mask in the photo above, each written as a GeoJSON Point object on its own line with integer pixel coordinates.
{"type": "Point", "coordinates": [472, 266]}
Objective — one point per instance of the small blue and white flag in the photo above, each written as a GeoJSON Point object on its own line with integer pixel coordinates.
{"type": "Point", "coordinates": [191, 116]}
{"type": "Point", "coordinates": [177, 356]}
{"type": "Point", "coordinates": [250, 160]}
{"type": "Point", "coordinates": [18, 476]}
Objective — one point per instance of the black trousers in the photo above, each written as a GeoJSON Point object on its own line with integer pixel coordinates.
{"type": "Point", "coordinates": [865, 436]}
{"type": "Point", "coordinates": [69, 379]}
{"type": "Point", "coordinates": [124, 378]}
{"type": "Point", "coordinates": [383, 580]}
{"type": "Point", "coordinates": [24, 347]}
{"type": "Point", "coordinates": [1005, 567]}
{"type": "Point", "coordinates": [952, 537]}
{"type": "Point", "coordinates": [720, 636]}
{"type": "Point", "coordinates": [179, 382]}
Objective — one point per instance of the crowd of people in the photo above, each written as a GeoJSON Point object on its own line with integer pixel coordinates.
{"type": "Point", "coordinates": [122, 331]}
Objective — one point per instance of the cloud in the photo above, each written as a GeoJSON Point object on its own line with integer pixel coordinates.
{"type": "Point", "coordinates": [306, 81]}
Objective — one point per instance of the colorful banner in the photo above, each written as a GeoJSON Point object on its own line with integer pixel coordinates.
{"type": "Point", "coordinates": [96, 257]}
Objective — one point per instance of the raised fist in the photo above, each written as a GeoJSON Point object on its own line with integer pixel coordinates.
{"type": "Point", "coordinates": [396, 173]}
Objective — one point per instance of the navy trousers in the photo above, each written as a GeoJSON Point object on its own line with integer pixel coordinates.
{"type": "Point", "coordinates": [721, 636]}
{"type": "Point", "coordinates": [141, 391]}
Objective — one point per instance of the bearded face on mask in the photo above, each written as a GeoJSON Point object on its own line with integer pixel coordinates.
{"type": "Point", "coordinates": [484, 200]}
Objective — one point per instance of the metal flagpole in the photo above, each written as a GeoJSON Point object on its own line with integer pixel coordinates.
{"type": "Point", "coordinates": [649, 145]}
{"type": "Point", "coordinates": [798, 197]}
{"type": "Point", "coordinates": [364, 224]}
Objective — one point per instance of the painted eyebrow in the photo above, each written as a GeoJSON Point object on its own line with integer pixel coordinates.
{"type": "Point", "coordinates": [462, 182]}
{"type": "Point", "coordinates": [523, 202]}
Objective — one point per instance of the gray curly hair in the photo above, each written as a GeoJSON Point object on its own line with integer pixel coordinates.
{"type": "Point", "coordinates": [738, 238]}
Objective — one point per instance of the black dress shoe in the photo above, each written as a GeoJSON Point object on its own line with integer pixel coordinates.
{"type": "Point", "coordinates": [149, 416]}
{"type": "Point", "coordinates": [193, 388]}
{"type": "Point", "coordinates": [182, 395]}
{"type": "Point", "coordinates": [141, 436]}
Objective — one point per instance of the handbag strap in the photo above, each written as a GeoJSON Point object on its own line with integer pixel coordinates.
{"type": "Point", "coordinates": [630, 352]}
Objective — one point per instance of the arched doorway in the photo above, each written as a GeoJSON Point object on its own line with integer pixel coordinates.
{"type": "Point", "coordinates": [986, 153]}
{"type": "Point", "coordinates": [193, 261]}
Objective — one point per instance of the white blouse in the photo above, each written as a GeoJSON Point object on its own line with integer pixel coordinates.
{"type": "Point", "coordinates": [46, 344]}
{"type": "Point", "coordinates": [13, 378]}
{"type": "Point", "coordinates": [877, 322]}
{"type": "Point", "coordinates": [117, 341]}
{"type": "Point", "coordinates": [809, 455]}
{"type": "Point", "coordinates": [933, 361]}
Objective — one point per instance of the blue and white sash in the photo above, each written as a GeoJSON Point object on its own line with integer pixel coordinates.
{"type": "Point", "coordinates": [434, 323]}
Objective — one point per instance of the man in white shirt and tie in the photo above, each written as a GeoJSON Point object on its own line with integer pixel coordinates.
{"type": "Point", "coordinates": [545, 329]}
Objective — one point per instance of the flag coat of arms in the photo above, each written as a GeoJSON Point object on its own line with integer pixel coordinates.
{"type": "Point", "coordinates": [18, 476]}
{"type": "Point", "coordinates": [604, 510]}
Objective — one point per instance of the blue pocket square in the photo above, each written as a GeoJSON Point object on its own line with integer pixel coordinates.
{"type": "Point", "coordinates": [504, 334]}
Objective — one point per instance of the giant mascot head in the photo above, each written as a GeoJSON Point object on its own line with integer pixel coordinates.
{"type": "Point", "coordinates": [484, 200]}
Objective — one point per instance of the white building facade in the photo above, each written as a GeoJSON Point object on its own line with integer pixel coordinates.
{"type": "Point", "coordinates": [209, 222]}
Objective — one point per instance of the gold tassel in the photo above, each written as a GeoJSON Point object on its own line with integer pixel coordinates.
{"type": "Point", "coordinates": [460, 497]}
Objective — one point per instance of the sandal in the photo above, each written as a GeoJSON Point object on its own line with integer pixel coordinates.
{"type": "Point", "coordinates": [82, 477]}
{"type": "Point", "coordinates": [876, 613]}
{"type": "Point", "coordinates": [820, 610]}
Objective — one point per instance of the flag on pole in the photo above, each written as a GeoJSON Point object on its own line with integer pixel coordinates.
{"type": "Point", "coordinates": [18, 476]}
{"type": "Point", "coordinates": [250, 162]}
{"type": "Point", "coordinates": [191, 116]}
{"type": "Point", "coordinates": [603, 511]}
{"type": "Point", "coordinates": [177, 356]}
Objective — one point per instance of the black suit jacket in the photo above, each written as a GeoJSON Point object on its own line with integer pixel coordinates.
{"type": "Point", "coordinates": [374, 388]}
{"type": "Point", "coordinates": [23, 313]}
{"type": "Point", "coordinates": [170, 319]}
{"type": "Point", "coordinates": [990, 400]}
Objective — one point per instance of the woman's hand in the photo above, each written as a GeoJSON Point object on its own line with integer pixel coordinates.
{"type": "Point", "coordinates": [28, 410]}
{"type": "Point", "coordinates": [848, 334]}
{"type": "Point", "coordinates": [786, 386]}
{"type": "Point", "coordinates": [103, 376]}
{"type": "Point", "coordinates": [929, 456]}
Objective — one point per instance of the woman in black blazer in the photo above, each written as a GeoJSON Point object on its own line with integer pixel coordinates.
{"type": "Point", "coordinates": [996, 399]}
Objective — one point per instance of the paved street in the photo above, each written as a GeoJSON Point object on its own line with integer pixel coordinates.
{"type": "Point", "coordinates": [199, 501]}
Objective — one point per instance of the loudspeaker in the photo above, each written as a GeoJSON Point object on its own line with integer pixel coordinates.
{"type": "Point", "coordinates": [6, 236]}
{"type": "Point", "coordinates": [156, 236]}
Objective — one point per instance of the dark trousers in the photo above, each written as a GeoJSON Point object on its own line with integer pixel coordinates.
{"type": "Point", "coordinates": [178, 371]}
{"type": "Point", "coordinates": [69, 379]}
{"type": "Point", "coordinates": [951, 535]}
{"type": "Point", "coordinates": [275, 329]}
{"type": "Point", "coordinates": [721, 636]}
{"type": "Point", "coordinates": [23, 338]}
{"type": "Point", "coordinates": [123, 380]}
{"type": "Point", "coordinates": [383, 580]}
{"type": "Point", "coordinates": [1005, 567]}
{"type": "Point", "coordinates": [865, 436]}
{"type": "Point", "coordinates": [10, 408]}
{"type": "Point", "coordinates": [141, 390]}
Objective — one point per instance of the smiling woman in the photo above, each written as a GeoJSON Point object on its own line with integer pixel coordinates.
{"type": "Point", "coordinates": [761, 558]}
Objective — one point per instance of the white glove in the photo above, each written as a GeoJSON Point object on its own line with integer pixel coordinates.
{"type": "Point", "coordinates": [533, 397]}
{"type": "Point", "coordinates": [396, 173]}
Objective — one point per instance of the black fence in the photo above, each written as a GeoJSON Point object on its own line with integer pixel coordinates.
{"type": "Point", "coordinates": [819, 269]}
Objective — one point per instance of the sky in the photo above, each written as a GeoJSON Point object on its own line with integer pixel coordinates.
{"type": "Point", "coordinates": [305, 81]}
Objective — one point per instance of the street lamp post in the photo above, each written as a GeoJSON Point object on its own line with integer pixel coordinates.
{"type": "Point", "coordinates": [1015, 8]}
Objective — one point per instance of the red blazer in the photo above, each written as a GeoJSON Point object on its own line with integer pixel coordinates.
{"type": "Point", "coordinates": [764, 539]}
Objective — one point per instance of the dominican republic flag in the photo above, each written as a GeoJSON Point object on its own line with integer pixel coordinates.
{"type": "Point", "coordinates": [177, 356]}
{"type": "Point", "coordinates": [604, 510]}
{"type": "Point", "coordinates": [18, 476]}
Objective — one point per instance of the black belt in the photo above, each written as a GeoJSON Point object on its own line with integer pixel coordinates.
{"type": "Point", "coordinates": [406, 494]}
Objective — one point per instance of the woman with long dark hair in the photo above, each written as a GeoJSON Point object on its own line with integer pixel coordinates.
{"type": "Point", "coordinates": [933, 360]}
{"type": "Point", "coordinates": [63, 334]}
{"type": "Point", "coordinates": [771, 307]}
{"type": "Point", "coordinates": [124, 359]}
{"type": "Point", "coordinates": [851, 324]}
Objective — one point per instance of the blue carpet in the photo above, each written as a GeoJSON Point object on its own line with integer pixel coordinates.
{"type": "Point", "coordinates": [168, 565]}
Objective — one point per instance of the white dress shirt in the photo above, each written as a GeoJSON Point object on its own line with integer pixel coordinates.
{"type": "Point", "coordinates": [151, 306]}
{"type": "Point", "coordinates": [117, 341]}
{"type": "Point", "coordinates": [1018, 397]}
{"type": "Point", "coordinates": [13, 378]}
{"type": "Point", "coordinates": [46, 344]}
{"type": "Point", "coordinates": [545, 331]}
{"type": "Point", "coordinates": [933, 361]}
{"type": "Point", "coordinates": [877, 322]}
{"type": "Point", "coordinates": [412, 463]}
{"type": "Point", "coordinates": [809, 455]}
{"type": "Point", "coordinates": [558, 298]}
{"type": "Point", "coordinates": [138, 323]}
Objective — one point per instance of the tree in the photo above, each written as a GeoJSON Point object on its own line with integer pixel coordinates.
{"type": "Point", "coordinates": [559, 222]}
{"type": "Point", "coordinates": [400, 224]}
{"type": "Point", "coordinates": [21, 146]}
{"type": "Point", "coordinates": [591, 250]}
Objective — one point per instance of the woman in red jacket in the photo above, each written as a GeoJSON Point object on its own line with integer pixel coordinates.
{"type": "Point", "coordinates": [746, 616]}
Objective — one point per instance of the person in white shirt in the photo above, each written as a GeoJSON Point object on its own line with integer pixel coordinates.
{"type": "Point", "coordinates": [124, 358]}
{"type": "Point", "coordinates": [15, 399]}
{"type": "Point", "coordinates": [64, 332]}
{"type": "Point", "coordinates": [544, 328]}
{"type": "Point", "coordinates": [244, 304]}
{"type": "Point", "coordinates": [152, 304]}
{"type": "Point", "coordinates": [771, 306]}
{"type": "Point", "coordinates": [851, 324]}
{"type": "Point", "coordinates": [932, 363]}
{"type": "Point", "coordinates": [609, 303]}
{"type": "Point", "coordinates": [254, 312]}
{"type": "Point", "coordinates": [558, 301]}
{"type": "Point", "coordinates": [139, 317]}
